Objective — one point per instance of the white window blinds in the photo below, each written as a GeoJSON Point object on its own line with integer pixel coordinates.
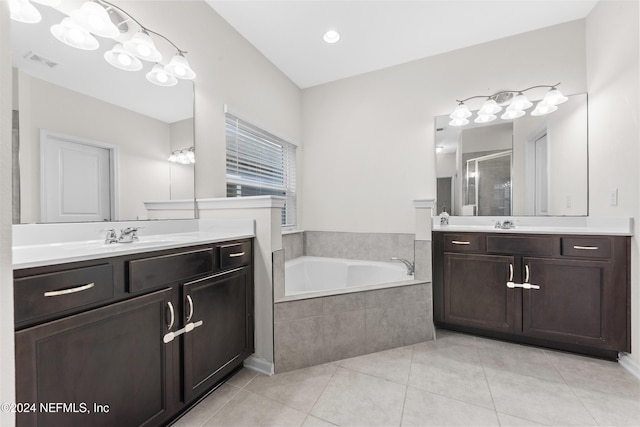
{"type": "Point", "coordinates": [259, 163]}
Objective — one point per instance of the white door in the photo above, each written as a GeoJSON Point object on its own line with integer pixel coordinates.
{"type": "Point", "coordinates": [76, 179]}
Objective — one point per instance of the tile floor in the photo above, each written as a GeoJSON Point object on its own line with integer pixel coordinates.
{"type": "Point", "coordinates": [458, 380]}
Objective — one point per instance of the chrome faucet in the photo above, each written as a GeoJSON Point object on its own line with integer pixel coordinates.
{"type": "Point", "coordinates": [128, 235]}
{"type": "Point", "coordinates": [110, 237]}
{"type": "Point", "coordinates": [409, 264]}
{"type": "Point", "coordinates": [506, 224]}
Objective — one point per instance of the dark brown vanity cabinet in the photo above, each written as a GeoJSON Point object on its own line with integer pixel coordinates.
{"type": "Point", "coordinates": [219, 307]}
{"type": "Point", "coordinates": [107, 366]}
{"type": "Point", "coordinates": [131, 340]}
{"type": "Point", "coordinates": [567, 292]}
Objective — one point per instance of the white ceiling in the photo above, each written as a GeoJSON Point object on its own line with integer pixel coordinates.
{"type": "Point", "coordinates": [381, 33]}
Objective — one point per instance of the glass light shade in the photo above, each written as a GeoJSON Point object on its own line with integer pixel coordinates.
{"type": "Point", "coordinates": [543, 108]}
{"type": "Point", "coordinates": [158, 76]}
{"type": "Point", "coordinates": [489, 107]}
{"type": "Point", "coordinates": [143, 47]}
{"type": "Point", "coordinates": [71, 34]}
{"type": "Point", "coordinates": [24, 11]}
{"type": "Point", "coordinates": [555, 97]}
{"type": "Point", "coordinates": [512, 114]}
{"type": "Point", "coordinates": [121, 58]}
{"type": "Point", "coordinates": [520, 102]}
{"type": "Point", "coordinates": [180, 68]}
{"type": "Point", "coordinates": [485, 118]}
{"type": "Point", "coordinates": [95, 19]}
{"type": "Point", "coordinates": [461, 112]}
{"type": "Point", "coordinates": [48, 2]}
{"type": "Point", "coordinates": [458, 122]}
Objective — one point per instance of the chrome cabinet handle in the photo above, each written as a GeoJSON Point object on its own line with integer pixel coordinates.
{"type": "Point", "coordinates": [190, 301]}
{"type": "Point", "coordinates": [586, 248]}
{"type": "Point", "coordinates": [526, 274]}
{"type": "Point", "coordinates": [172, 315]}
{"type": "Point", "coordinates": [460, 242]}
{"type": "Point", "coordinates": [510, 272]}
{"type": "Point", "coordinates": [237, 254]}
{"type": "Point", "coordinates": [69, 290]}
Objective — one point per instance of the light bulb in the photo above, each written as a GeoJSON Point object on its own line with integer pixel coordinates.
{"type": "Point", "coordinates": [124, 59]}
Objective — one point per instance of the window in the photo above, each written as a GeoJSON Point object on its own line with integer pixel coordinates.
{"type": "Point", "coordinates": [259, 163]}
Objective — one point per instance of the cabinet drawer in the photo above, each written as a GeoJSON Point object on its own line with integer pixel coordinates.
{"type": "Point", "coordinates": [234, 254]}
{"type": "Point", "coordinates": [46, 294]}
{"type": "Point", "coordinates": [521, 245]}
{"type": "Point", "coordinates": [158, 271]}
{"type": "Point", "coordinates": [586, 247]}
{"type": "Point", "coordinates": [463, 243]}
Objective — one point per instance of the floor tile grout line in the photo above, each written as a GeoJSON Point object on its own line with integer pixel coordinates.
{"type": "Point", "coordinates": [337, 363]}
{"type": "Point", "coordinates": [484, 372]}
{"type": "Point", "coordinates": [221, 407]}
{"type": "Point", "coordinates": [406, 389]}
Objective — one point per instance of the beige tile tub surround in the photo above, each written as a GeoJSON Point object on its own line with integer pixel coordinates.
{"type": "Point", "coordinates": [364, 246]}
{"type": "Point", "coordinates": [319, 330]}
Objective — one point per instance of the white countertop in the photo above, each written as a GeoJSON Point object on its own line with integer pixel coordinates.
{"type": "Point", "coordinates": [47, 244]}
{"type": "Point", "coordinates": [609, 226]}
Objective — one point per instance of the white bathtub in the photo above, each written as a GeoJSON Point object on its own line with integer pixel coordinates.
{"type": "Point", "coordinates": [308, 274]}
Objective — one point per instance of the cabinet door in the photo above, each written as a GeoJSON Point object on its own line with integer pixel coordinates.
{"type": "Point", "coordinates": [573, 303]}
{"type": "Point", "coordinates": [104, 367]}
{"type": "Point", "coordinates": [476, 292]}
{"type": "Point", "coordinates": [217, 346]}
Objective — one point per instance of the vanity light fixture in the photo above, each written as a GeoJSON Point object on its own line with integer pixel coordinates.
{"type": "Point", "coordinates": [517, 104]}
{"type": "Point", "coordinates": [185, 156]}
{"type": "Point", "coordinates": [93, 18]}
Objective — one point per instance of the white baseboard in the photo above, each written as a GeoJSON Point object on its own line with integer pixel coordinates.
{"type": "Point", "coordinates": [627, 363]}
{"type": "Point", "coordinates": [259, 365]}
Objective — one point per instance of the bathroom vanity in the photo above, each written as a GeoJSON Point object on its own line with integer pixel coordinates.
{"type": "Point", "coordinates": [131, 339]}
{"type": "Point", "coordinates": [564, 291]}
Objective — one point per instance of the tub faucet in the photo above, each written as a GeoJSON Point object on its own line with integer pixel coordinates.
{"type": "Point", "coordinates": [409, 264]}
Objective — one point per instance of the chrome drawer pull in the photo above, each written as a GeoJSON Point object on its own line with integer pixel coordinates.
{"type": "Point", "coordinates": [69, 291]}
{"type": "Point", "coordinates": [237, 254]}
{"type": "Point", "coordinates": [172, 315]}
{"type": "Point", "coordinates": [510, 272]}
{"type": "Point", "coordinates": [460, 242]}
{"type": "Point", "coordinates": [586, 248]}
{"type": "Point", "coordinates": [526, 274]}
{"type": "Point", "coordinates": [190, 301]}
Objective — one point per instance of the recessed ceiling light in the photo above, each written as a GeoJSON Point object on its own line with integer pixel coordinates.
{"type": "Point", "coordinates": [331, 36]}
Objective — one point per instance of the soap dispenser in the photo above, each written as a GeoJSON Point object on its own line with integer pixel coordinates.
{"type": "Point", "coordinates": [444, 216]}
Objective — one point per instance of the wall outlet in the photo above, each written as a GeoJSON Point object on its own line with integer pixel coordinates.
{"type": "Point", "coordinates": [613, 197]}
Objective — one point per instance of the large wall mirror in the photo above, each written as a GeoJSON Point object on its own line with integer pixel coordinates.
{"type": "Point", "coordinates": [114, 127]}
{"type": "Point", "coordinates": [522, 167]}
